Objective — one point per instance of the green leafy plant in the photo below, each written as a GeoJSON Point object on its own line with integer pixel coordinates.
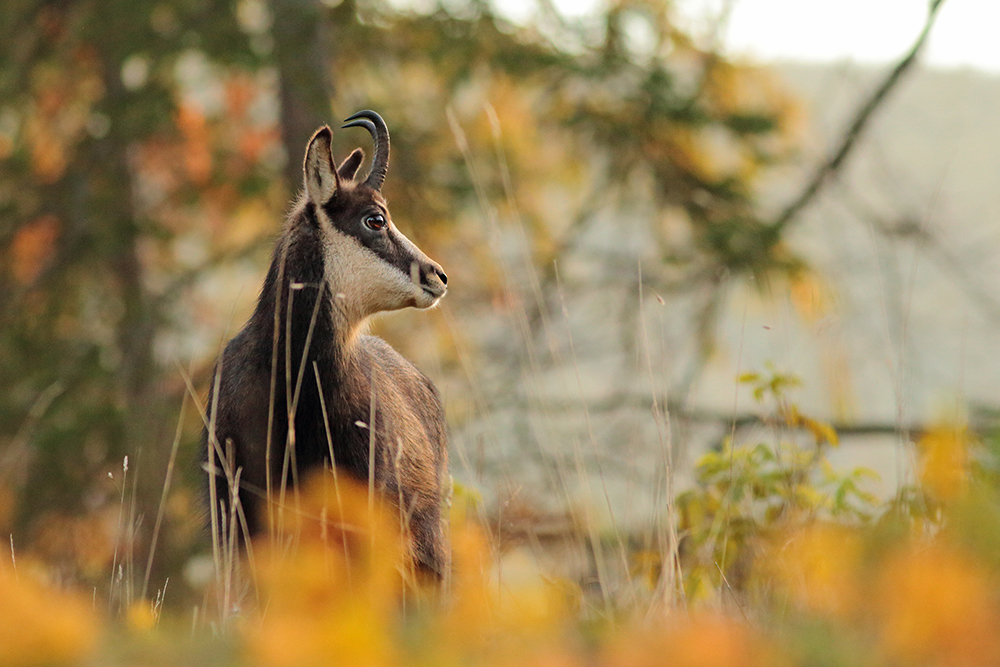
{"type": "Point", "coordinates": [746, 491]}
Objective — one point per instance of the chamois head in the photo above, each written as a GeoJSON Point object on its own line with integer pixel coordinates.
{"type": "Point", "coordinates": [370, 266]}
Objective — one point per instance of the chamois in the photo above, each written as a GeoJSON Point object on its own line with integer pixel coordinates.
{"type": "Point", "coordinates": [302, 382]}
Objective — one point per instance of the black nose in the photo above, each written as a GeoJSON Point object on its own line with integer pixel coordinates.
{"type": "Point", "coordinates": [441, 275]}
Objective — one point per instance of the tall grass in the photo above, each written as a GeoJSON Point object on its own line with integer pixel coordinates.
{"type": "Point", "coordinates": [827, 575]}
{"type": "Point", "coordinates": [771, 557]}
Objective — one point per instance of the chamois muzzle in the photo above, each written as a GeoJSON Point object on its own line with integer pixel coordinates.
{"type": "Point", "coordinates": [434, 281]}
{"type": "Point", "coordinates": [372, 122]}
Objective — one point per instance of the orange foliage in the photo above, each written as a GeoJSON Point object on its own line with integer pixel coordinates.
{"type": "Point", "coordinates": [818, 567]}
{"type": "Point", "coordinates": [254, 141]}
{"type": "Point", "coordinates": [328, 578]}
{"type": "Point", "coordinates": [85, 542]}
{"type": "Point", "coordinates": [33, 247]}
{"type": "Point", "coordinates": [240, 91]}
{"type": "Point", "coordinates": [61, 104]}
{"type": "Point", "coordinates": [251, 140]}
{"type": "Point", "coordinates": [40, 625]}
{"type": "Point", "coordinates": [197, 150]}
{"type": "Point", "coordinates": [936, 606]}
{"type": "Point", "coordinates": [703, 640]}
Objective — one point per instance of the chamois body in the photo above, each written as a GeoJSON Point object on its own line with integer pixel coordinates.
{"type": "Point", "coordinates": [303, 370]}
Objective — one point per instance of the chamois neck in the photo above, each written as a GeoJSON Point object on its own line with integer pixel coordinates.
{"type": "Point", "coordinates": [297, 291]}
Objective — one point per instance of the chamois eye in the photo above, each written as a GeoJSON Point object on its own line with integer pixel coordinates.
{"type": "Point", "coordinates": [375, 222]}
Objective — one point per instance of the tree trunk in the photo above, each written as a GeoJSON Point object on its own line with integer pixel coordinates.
{"type": "Point", "coordinates": [301, 54]}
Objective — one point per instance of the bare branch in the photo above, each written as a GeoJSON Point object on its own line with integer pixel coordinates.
{"type": "Point", "coordinates": [860, 122]}
{"type": "Point", "coordinates": [730, 422]}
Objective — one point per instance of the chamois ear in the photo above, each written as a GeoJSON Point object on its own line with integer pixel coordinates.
{"type": "Point", "coordinates": [349, 167]}
{"type": "Point", "coordinates": [320, 176]}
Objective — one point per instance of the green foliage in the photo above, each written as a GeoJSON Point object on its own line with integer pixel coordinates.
{"type": "Point", "coordinates": [746, 493]}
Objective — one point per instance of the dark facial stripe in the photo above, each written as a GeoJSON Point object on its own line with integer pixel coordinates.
{"type": "Point", "coordinates": [397, 255]}
{"type": "Point", "coordinates": [346, 212]}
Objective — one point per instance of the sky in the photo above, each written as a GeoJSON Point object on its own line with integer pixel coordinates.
{"type": "Point", "coordinates": [869, 31]}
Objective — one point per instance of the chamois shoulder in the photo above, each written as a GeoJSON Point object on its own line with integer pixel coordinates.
{"type": "Point", "coordinates": [376, 352]}
{"type": "Point", "coordinates": [404, 385]}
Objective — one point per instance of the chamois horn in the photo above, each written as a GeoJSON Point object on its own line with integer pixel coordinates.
{"type": "Point", "coordinates": [372, 122]}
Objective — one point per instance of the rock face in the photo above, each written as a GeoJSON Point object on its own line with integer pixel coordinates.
{"type": "Point", "coordinates": [899, 322]}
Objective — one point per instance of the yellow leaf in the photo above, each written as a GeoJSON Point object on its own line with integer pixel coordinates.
{"type": "Point", "coordinates": [810, 296]}
{"type": "Point", "coordinates": [944, 461]}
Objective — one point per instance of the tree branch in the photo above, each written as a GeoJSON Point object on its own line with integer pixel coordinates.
{"type": "Point", "coordinates": [732, 421]}
{"type": "Point", "coordinates": [861, 120]}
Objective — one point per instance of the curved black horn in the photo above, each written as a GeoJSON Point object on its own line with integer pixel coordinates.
{"type": "Point", "coordinates": [372, 122]}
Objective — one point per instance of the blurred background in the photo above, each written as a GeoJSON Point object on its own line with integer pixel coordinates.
{"type": "Point", "coordinates": [637, 203]}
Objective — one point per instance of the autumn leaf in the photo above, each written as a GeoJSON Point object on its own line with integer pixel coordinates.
{"type": "Point", "coordinates": [33, 247]}
{"type": "Point", "coordinates": [197, 143]}
{"type": "Point", "coordinates": [944, 461]}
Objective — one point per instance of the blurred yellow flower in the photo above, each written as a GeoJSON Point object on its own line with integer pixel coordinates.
{"type": "Point", "coordinates": [140, 616]}
{"type": "Point", "coordinates": [937, 607]}
{"type": "Point", "coordinates": [945, 461]}
{"type": "Point", "coordinates": [529, 603]}
{"type": "Point", "coordinates": [470, 609]}
{"type": "Point", "coordinates": [703, 640]}
{"type": "Point", "coordinates": [39, 625]}
{"type": "Point", "coordinates": [329, 580]}
{"type": "Point", "coordinates": [818, 566]}
{"type": "Point", "coordinates": [505, 614]}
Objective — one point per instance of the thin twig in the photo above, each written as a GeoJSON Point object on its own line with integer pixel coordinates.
{"type": "Point", "coordinates": [13, 559]}
{"type": "Point", "coordinates": [163, 498]}
{"type": "Point", "coordinates": [857, 127]}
